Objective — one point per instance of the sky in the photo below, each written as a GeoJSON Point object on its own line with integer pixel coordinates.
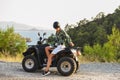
{"type": "Point", "coordinates": [42, 13]}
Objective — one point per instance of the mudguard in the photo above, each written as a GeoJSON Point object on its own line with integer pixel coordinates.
{"type": "Point", "coordinates": [30, 50]}
{"type": "Point", "coordinates": [67, 52]}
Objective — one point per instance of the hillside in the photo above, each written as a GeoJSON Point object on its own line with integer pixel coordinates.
{"type": "Point", "coordinates": [17, 26]}
{"type": "Point", "coordinates": [95, 31]}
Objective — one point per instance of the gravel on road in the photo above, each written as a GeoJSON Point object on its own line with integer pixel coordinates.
{"type": "Point", "coordinates": [87, 71]}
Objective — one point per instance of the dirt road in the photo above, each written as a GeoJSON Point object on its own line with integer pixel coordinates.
{"type": "Point", "coordinates": [87, 71]}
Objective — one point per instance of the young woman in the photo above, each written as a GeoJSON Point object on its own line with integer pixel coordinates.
{"type": "Point", "coordinates": [63, 40]}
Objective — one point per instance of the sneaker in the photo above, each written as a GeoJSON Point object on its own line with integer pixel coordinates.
{"type": "Point", "coordinates": [46, 73]}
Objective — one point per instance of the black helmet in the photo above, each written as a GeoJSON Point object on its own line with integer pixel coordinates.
{"type": "Point", "coordinates": [56, 25]}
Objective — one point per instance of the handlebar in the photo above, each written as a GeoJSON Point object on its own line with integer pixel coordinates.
{"type": "Point", "coordinates": [41, 39]}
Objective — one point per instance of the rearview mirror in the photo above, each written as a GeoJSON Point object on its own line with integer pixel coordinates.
{"type": "Point", "coordinates": [44, 34]}
{"type": "Point", "coordinates": [38, 34]}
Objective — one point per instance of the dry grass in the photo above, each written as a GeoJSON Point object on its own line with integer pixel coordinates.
{"type": "Point", "coordinates": [83, 59]}
{"type": "Point", "coordinates": [5, 56]}
{"type": "Point", "coordinates": [18, 58]}
{"type": "Point", "coordinates": [9, 58]}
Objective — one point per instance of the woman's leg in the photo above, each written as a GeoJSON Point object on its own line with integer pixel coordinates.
{"type": "Point", "coordinates": [47, 51]}
{"type": "Point", "coordinates": [49, 62]}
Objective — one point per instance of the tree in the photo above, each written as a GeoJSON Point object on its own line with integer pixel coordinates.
{"type": "Point", "coordinates": [96, 31]}
{"type": "Point", "coordinates": [114, 40]}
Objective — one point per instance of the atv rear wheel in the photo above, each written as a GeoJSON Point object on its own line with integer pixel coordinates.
{"type": "Point", "coordinates": [30, 63]}
{"type": "Point", "coordinates": [66, 66]}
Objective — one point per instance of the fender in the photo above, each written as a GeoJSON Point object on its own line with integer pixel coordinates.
{"type": "Point", "coordinates": [67, 52]}
{"type": "Point", "coordinates": [30, 51]}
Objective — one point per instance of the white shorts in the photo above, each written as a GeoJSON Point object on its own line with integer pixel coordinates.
{"type": "Point", "coordinates": [58, 48]}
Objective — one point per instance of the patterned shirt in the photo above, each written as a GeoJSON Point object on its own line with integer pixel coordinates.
{"type": "Point", "coordinates": [63, 38]}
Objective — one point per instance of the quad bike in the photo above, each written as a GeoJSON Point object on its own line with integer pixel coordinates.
{"type": "Point", "coordinates": [35, 58]}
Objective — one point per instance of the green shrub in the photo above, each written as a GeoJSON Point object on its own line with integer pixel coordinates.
{"type": "Point", "coordinates": [11, 42]}
{"type": "Point", "coordinates": [109, 52]}
{"type": "Point", "coordinates": [88, 51]}
{"type": "Point", "coordinates": [93, 53]}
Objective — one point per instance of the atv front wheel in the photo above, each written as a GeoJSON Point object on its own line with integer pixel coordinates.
{"type": "Point", "coordinates": [66, 66]}
{"type": "Point", "coordinates": [30, 63]}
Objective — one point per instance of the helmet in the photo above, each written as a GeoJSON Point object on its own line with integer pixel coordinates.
{"type": "Point", "coordinates": [56, 25]}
